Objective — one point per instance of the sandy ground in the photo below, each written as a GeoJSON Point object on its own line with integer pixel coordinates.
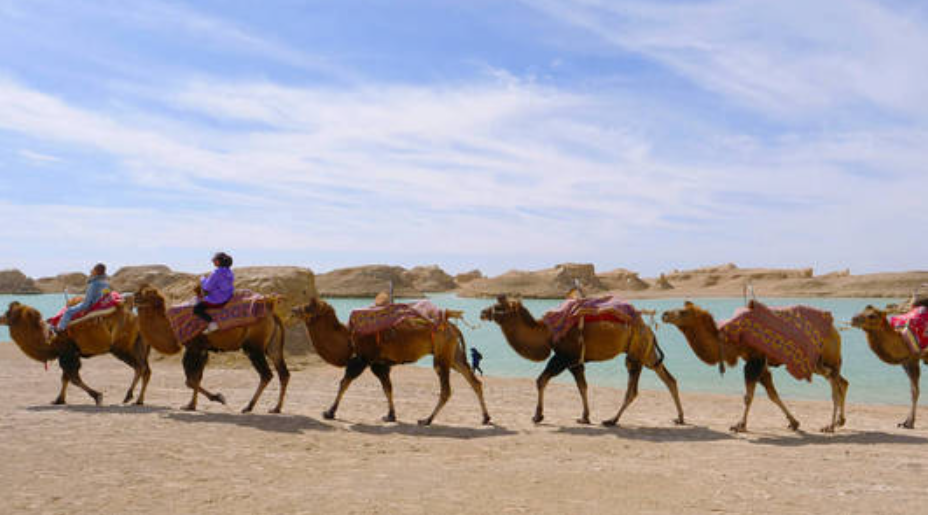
{"type": "Point", "coordinates": [157, 459]}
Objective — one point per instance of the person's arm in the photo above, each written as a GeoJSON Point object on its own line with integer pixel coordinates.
{"type": "Point", "coordinates": [90, 297]}
{"type": "Point", "coordinates": [209, 283]}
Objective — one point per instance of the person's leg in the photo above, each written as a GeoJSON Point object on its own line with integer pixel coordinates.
{"type": "Point", "coordinates": [200, 310]}
{"type": "Point", "coordinates": [66, 318]}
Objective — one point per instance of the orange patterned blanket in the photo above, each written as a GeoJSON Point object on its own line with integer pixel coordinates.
{"type": "Point", "coordinates": [563, 318]}
{"type": "Point", "coordinates": [244, 308]}
{"type": "Point", "coordinates": [374, 319]}
{"type": "Point", "coordinates": [790, 335]}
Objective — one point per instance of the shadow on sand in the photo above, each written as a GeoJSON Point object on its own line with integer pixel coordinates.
{"type": "Point", "coordinates": [841, 437]}
{"type": "Point", "coordinates": [433, 431]}
{"type": "Point", "coordinates": [685, 433]}
{"type": "Point", "coordinates": [112, 409]}
{"type": "Point", "coordinates": [276, 423]}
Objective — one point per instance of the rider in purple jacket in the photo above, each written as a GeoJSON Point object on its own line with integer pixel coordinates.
{"type": "Point", "coordinates": [217, 289]}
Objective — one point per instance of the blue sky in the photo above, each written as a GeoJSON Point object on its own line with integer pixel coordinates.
{"type": "Point", "coordinates": [497, 135]}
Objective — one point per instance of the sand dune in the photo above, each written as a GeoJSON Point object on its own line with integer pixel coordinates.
{"type": "Point", "coordinates": [157, 459]}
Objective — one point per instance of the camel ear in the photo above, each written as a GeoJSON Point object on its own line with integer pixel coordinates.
{"type": "Point", "coordinates": [869, 306]}
{"type": "Point", "coordinates": [501, 299]}
{"type": "Point", "coordinates": [688, 305]}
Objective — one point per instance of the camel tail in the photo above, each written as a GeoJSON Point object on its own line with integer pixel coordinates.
{"type": "Point", "coordinates": [280, 335]}
{"type": "Point", "coordinates": [461, 342]}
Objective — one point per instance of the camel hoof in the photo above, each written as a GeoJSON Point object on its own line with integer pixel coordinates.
{"type": "Point", "coordinates": [612, 422]}
{"type": "Point", "coordinates": [486, 420]}
{"type": "Point", "coordinates": [139, 402]}
{"type": "Point", "coordinates": [188, 407]}
{"type": "Point", "coordinates": [841, 422]}
{"type": "Point", "coordinates": [739, 428]}
{"type": "Point", "coordinates": [679, 421]}
{"type": "Point", "coordinates": [538, 418]}
{"type": "Point", "coordinates": [328, 415]}
{"type": "Point", "coordinates": [794, 425]}
{"type": "Point", "coordinates": [425, 422]}
{"type": "Point", "coordinates": [584, 420]}
{"type": "Point", "coordinates": [98, 399]}
{"type": "Point", "coordinates": [274, 411]}
{"type": "Point", "coordinates": [907, 425]}
{"type": "Point", "coordinates": [247, 409]}
{"type": "Point", "coordinates": [828, 429]}
{"type": "Point", "coordinates": [389, 418]}
{"type": "Point", "coordinates": [128, 399]}
{"type": "Point", "coordinates": [58, 402]}
{"type": "Point", "coordinates": [220, 398]}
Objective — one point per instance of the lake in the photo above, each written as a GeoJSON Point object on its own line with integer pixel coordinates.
{"type": "Point", "coordinates": [871, 380]}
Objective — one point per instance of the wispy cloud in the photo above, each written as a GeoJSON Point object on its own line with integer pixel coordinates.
{"type": "Point", "coordinates": [37, 157]}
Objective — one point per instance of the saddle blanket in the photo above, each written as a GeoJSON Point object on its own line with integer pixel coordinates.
{"type": "Point", "coordinates": [914, 327]}
{"type": "Point", "coordinates": [787, 335]}
{"type": "Point", "coordinates": [244, 308]}
{"type": "Point", "coordinates": [563, 318]}
{"type": "Point", "coordinates": [106, 302]}
{"type": "Point", "coordinates": [365, 321]}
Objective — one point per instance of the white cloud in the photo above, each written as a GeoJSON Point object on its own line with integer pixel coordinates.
{"type": "Point", "coordinates": [788, 58]}
{"type": "Point", "coordinates": [37, 157]}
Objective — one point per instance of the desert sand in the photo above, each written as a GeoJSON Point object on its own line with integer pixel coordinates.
{"type": "Point", "coordinates": [157, 459]}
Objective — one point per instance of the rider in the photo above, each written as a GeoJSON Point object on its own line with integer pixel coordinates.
{"type": "Point", "coordinates": [217, 289]}
{"type": "Point", "coordinates": [97, 287]}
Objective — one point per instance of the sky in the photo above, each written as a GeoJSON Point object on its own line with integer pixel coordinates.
{"type": "Point", "coordinates": [647, 135]}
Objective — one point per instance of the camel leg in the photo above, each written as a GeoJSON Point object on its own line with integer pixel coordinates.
{"type": "Point", "coordinates": [283, 377]}
{"type": "Point", "coordinates": [194, 362]}
{"type": "Point", "coordinates": [766, 379]}
{"type": "Point", "coordinates": [143, 352]}
{"type": "Point", "coordinates": [461, 366]}
{"type": "Point", "coordinates": [838, 393]}
{"type": "Point", "coordinates": [276, 353]}
{"type": "Point", "coordinates": [671, 384]}
{"type": "Point", "coordinates": [578, 371]}
{"type": "Point", "coordinates": [444, 377]}
{"type": "Point", "coordinates": [354, 368]}
{"type": "Point", "coordinates": [382, 371]}
{"type": "Point", "coordinates": [914, 372]}
{"type": "Point", "coordinates": [137, 367]}
{"type": "Point", "coordinates": [555, 366]}
{"type": "Point", "coordinates": [752, 372]}
{"type": "Point", "coordinates": [634, 374]}
{"type": "Point", "coordinates": [264, 370]}
{"type": "Point", "coordinates": [64, 389]}
{"type": "Point", "coordinates": [71, 365]}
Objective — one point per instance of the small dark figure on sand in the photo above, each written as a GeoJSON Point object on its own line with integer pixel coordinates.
{"type": "Point", "coordinates": [475, 358]}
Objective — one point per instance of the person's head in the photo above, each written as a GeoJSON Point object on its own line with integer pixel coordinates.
{"type": "Point", "coordinates": [222, 259]}
{"type": "Point", "coordinates": [98, 269]}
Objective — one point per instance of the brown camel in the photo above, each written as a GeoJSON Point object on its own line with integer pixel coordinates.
{"type": "Point", "coordinates": [116, 333]}
{"type": "Point", "coordinates": [888, 345]}
{"type": "Point", "coordinates": [602, 341]}
{"type": "Point", "coordinates": [405, 343]}
{"type": "Point", "coordinates": [702, 333]}
{"type": "Point", "coordinates": [264, 338]}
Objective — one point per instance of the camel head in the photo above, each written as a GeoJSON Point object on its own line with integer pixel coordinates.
{"type": "Point", "coordinates": [689, 316]}
{"type": "Point", "coordinates": [314, 309]}
{"type": "Point", "coordinates": [869, 319]}
{"type": "Point", "coordinates": [18, 313]}
{"type": "Point", "coordinates": [504, 309]}
{"type": "Point", "coordinates": [147, 296]}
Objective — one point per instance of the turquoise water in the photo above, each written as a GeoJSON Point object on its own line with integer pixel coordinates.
{"type": "Point", "coordinates": [871, 380]}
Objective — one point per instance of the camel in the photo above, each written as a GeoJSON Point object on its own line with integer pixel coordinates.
{"type": "Point", "coordinates": [258, 341]}
{"type": "Point", "coordinates": [116, 333]}
{"type": "Point", "coordinates": [405, 343]}
{"type": "Point", "coordinates": [601, 341]}
{"type": "Point", "coordinates": [702, 334]}
{"type": "Point", "coordinates": [888, 345]}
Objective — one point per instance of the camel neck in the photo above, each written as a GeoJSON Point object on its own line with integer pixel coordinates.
{"type": "Point", "coordinates": [330, 338]}
{"type": "Point", "coordinates": [33, 342]}
{"type": "Point", "coordinates": [706, 344]}
{"type": "Point", "coordinates": [156, 330]}
{"type": "Point", "coordinates": [888, 344]}
{"type": "Point", "coordinates": [530, 340]}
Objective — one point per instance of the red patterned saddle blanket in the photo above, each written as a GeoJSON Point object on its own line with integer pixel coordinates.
{"type": "Point", "coordinates": [787, 335]}
{"type": "Point", "coordinates": [563, 318]}
{"type": "Point", "coordinates": [106, 305]}
{"type": "Point", "coordinates": [365, 321]}
{"type": "Point", "coordinates": [914, 327]}
{"type": "Point", "coordinates": [244, 308]}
